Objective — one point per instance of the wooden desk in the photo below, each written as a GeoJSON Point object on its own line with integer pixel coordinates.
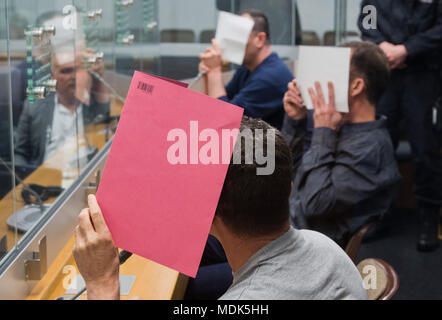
{"type": "Point", "coordinates": [46, 177]}
{"type": "Point", "coordinates": [153, 281]}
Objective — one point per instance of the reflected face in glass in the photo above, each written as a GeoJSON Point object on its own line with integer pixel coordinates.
{"type": "Point", "coordinates": [64, 73]}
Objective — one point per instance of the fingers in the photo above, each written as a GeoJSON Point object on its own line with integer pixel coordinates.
{"type": "Point", "coordinates": [215, 45]}
{"type": "Point", "coordinates": [297, 101]}
{"type": "Point", "coordinates": [96, 215]}
{"type": "Point", "coordinates": [210, 53]}
{"type": "Point", "coordinates": [320, 96]}
{"type": "Point", "coordinates": [79, 238]}
{"type": "Point", "coordinates": [85, 227]}
{"type": "Point", "coordinates": [292, 86]}
{"type": "Point", "coordinates": [331, 96]}
{"type": "Point", "coordinates": [314, 98]}
{"type": "Point", "coordinates": [203, 67]}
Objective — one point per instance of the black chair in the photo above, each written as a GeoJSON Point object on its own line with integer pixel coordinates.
{"type": "Point", "coordinates": [206, 36]}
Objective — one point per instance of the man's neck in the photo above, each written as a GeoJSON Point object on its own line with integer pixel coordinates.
{"type": "Point", "coordinates": [262, 55]}
{"type": "Point", "coordinates": [240, 249]}
{"type": "Point", "coordinates": [362, 111]}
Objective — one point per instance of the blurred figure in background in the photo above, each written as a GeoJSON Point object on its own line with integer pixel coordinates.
{"type": "Point", "coordinates": [410, 34]}
{"type": "Point", "coordinates": [47, 124]}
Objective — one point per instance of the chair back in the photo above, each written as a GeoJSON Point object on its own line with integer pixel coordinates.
{"type": "Point", "coordinates": [354, 244]}
{"type": "Point", "coordinates": [310, 38]}
{"type": "Point", "coordinates": [380, 279]}
{"type": "Point", "coordinates": [177, 35]}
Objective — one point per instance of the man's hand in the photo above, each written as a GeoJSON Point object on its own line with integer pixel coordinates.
{"type": "Point", "coordinates": [325, 115]}
{"type": "Point", "coordinates": [96, 255]}
{"type": "Point", "coordinates": [212, 58]}
{"type": "Point", "coordinates": [203, 68]}
{"type": "Point", "coordinates": [396, 54]}
{"type": "Point", "coordinates": [293, 102]}
{"type": "Point", "coordinates": [212, 63]}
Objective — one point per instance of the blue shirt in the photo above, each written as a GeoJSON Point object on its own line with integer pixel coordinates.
{"type": "Point", "coordinates": [262, 91]}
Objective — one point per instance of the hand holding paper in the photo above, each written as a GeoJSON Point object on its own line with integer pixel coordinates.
{"type": "Point", "coordinates": [323, 65]}
{"type": "Point", "coordinates": [325, 114]}
{"type": "Point", "coordinates": [154, 208]}
{"type": "Point", "coordinates": [232, 35]}
{"type": "Point", "coordinates": [294, 103]}
{"type": "Point", "coordinates": [212, 59]}
{"type": "Point", "coordinates": [95, 253]}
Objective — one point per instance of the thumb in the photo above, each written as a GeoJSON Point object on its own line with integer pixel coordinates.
{"type": "Point", "coordinates": [216, 45]}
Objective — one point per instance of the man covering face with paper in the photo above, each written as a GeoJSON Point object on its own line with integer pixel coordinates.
{"type": "Point", "coordinates": [346, 173]}
{"type": "Point", "coordinates": [232, 36]}
{"type": "Point", "coordinates": [259, 83]}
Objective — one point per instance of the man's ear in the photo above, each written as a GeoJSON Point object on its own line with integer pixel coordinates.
{"type": "Point", "coordinates": [260, 39]}
{"type": "Point", "coordinates": [357, 86]}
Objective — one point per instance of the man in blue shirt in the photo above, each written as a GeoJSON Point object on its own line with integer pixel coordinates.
{"type": "Point", "coordinates": [259, 84]}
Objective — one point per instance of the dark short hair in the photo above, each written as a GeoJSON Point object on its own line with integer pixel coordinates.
{"type": "Point", "coordinates": [371, 64]}
{"type": "Point", "coordinates": [261, 22]}
{"type": "Point", "coordinates": [250, 204]}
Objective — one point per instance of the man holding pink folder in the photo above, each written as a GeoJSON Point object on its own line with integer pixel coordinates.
{"type": "Point", "coordinates": [248, 213]}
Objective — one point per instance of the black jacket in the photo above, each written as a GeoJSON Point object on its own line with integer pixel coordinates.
{"type": "Point", "coordinates": [415, 23]}
{"type": "Point", "coordinates": [31, 133]}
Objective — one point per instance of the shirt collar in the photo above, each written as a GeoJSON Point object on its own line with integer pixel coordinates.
{"type": "Point", "coordinates": [379, 123]}
{"type": "Point", "coordinates": [272, 248]}
{"type": "Point", "coordinates": [62, 109]}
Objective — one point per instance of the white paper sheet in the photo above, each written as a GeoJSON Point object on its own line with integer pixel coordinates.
{"type": "Point", "coordinates": [324, 64]}
{"type": "Point", "coordinates": [232, 35]}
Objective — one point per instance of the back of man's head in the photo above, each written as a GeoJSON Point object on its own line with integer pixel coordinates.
{"type": "Point", "coordinates": [253, 205]}
{"type": "Point", "coordinates": [371, 64]}
{"type": "Point", "coordinates": [261, 22]}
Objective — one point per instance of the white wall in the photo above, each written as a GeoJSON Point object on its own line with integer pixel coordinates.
{"type": "Point", "coordinates": [196, 15]}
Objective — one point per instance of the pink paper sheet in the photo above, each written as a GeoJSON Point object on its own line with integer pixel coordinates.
{"type": "Point", "coordinates": [154, 209]}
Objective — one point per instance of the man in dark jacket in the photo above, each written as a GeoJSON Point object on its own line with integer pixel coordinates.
{"type": "Point", "coordinates": [410, 34]}
{"type": "Point", "coordinates": [46, 125]}
{"type": "Point", "coordinates": [346, 173]}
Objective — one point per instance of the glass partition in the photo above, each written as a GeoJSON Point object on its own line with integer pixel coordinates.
{"type": "Point", "coordinates": [66, 66]}
{"type": "Point", "coordinates": [62, 67]}
{"type": "Point", "coordinates": [328, 23]}
{"type": "Point", "coordinates": [6, 172]}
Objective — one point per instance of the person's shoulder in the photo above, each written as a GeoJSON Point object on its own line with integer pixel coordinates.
{"type": "Point", "coordinates": [321, 245]}
{"type": "Point", "coordinates": [275, 71]}
{"type": "Point", "coordinates": [278, 64]}
{"type": "Point", "coordinates": [346, 281]}
{"type": "Point", "coordinates": [316, 238]}
{"type": "Point", "coordinates": [39, 105]}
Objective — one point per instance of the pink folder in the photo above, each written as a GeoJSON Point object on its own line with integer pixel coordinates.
{"type": "Point", "coordinates": [155, 209]}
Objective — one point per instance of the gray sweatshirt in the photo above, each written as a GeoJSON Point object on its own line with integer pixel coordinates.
{"type": "Point", "coordinates": [300, 265]}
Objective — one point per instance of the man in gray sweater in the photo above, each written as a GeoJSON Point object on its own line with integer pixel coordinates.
{"type": "Point", "coordinates": [270, 260]}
